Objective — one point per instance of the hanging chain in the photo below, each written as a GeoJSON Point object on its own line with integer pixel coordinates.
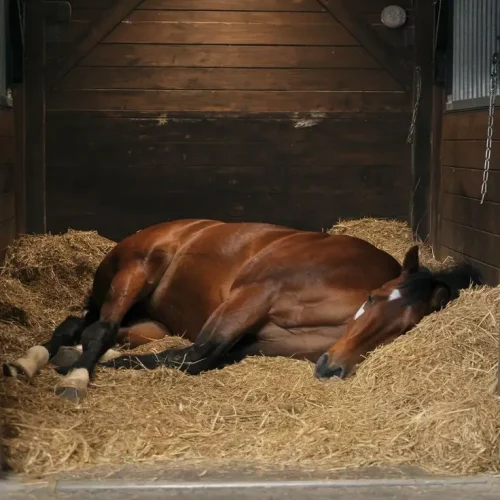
{"type": "Point", "coordinates": [409, 139]}
{"type": "Point", "coordinates": [489, 133]}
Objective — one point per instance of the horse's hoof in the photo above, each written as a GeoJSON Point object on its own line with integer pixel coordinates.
{"type": "Point", "coordinates": [14, 371]}
{"type": "Point", "coordinates": [66, 357]}
{"type": "Point", "coordinates": [74, 385]}
{"type": "Point", "coordinates": [71, 393]}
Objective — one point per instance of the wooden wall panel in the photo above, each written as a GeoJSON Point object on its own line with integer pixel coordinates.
{"type": "Point", "coordinates": [468, 229]}
{"type": "Point", "coordinates": [7, 187]}
{"type": "Point", "coordinates": [263, 110]}
{"type": "Point", "coordinates": [134, 171]}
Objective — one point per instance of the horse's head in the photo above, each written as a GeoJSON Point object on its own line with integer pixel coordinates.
{"type": "Point", "coordinates": [392, 310]}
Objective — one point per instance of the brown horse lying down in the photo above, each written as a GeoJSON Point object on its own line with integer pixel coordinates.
{"type": "Point", "coordinates": [239, 289]}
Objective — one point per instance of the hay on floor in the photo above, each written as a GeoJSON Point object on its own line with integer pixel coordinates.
{"type": "Point", "coordinates": [426, 400]}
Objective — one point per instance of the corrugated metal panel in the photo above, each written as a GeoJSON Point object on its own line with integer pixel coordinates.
{"type": "Point", "coordinates": [476, 26]}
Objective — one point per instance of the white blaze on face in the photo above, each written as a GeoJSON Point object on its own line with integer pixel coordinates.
{"type": "Point", "coordinates": [395, 295]}
{"type": "Point", "coordinates": [361, 310]}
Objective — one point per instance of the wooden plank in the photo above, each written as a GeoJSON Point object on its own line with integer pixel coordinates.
{"type": "Point", "coordinates": [157, 180]}
{"type": "Point", "coordinates": [467, 182]}
{"type": "Point", "coordinates": [241, 101]}
{"type": "Point", "coordinates": [485, 217]}
{"type": "Point", "coordinates": [6, 122]}
{"type": "Point", "coordinates": [20, 173]}
{"type": "Point", "coordinates": [233, 34]}
{"type": "Point", "coordinates": [470, 154]}
{"type": "Point", "coordinates": [6, 178]}
{"type": "Point", "coordinates": [57, 11]}
{"type": "Point", "coordinates": [228, 79]}
{"type": "Point", "coordinates": [7, 150]}
{"type": "Point", "coordinates": [438, 100]}
{"type": "Point", "coordinates": [387, 57]}
{"type": "Point", "coordinates": [471, 242]}
{"type": "Point", "coordinates": [247, 5]}
{"type": "Point", "coordinates": [233, 17]}
{"type": "Point", "coordinates": [180, 155]}
{"type": "Point", "coordinates": [7, 206]}
{"type": "Point", "coordinates": [7, 233]}
{"type": "Point", "coordinates": [420, 205]}
{"type": "Point", "coordinates": [467, 125]}
{"type": "Point", "coordinates": [228, 56]}
{"type": "Point", "coordinates": [92, 4]}
{"type": "Point", "coordinates": [123, 214]}
{"type": "Point", "coordinates": [490, 274]}
{"type": "Point", "coordinates": [100, 29]}
{"type": "Point", "coordinates": [34, 102]}
{"type": "Point", "coordinates": [116, 130]}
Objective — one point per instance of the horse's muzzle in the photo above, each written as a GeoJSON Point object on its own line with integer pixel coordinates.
{"type": "Point", "coordinates": [323, 368]}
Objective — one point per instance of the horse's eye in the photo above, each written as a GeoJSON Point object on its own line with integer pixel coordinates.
{"type": "Point", "coordinates": [371, 299]}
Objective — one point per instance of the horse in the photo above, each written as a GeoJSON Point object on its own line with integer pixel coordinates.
{"type": "Point", "coordinates": [237, 289]}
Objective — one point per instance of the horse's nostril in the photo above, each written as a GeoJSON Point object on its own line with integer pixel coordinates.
{"type": "Point", "coordinates": [324, 370]}
{"type": "Point", "coordinates": [337, 371]}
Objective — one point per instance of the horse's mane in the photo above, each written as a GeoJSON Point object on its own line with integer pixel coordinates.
{"type": "Point", "coordinates": [417, 287]}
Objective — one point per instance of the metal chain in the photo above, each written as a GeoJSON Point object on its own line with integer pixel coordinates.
{"type": "Point", "coordinates": [409, 139]}
{"type": "Point", "coordinates": [489, 133]}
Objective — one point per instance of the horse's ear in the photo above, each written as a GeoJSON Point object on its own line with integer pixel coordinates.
{"type": "Point", "coordinates": [440, 297]}
{"type": "Point", "coordinates": [410, 262]}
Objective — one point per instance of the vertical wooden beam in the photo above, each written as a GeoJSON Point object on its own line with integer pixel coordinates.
{"type": "Point", "coordinates": [19, 172]}
{"type": "Point", "coordinates": [422, 139]}
{"type": "Point", "coordinates": [34, 112]}
{"type": "Point", "coordinates": [438, 100]}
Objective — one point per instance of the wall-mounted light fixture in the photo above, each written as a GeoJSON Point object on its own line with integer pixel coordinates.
{"type": "Point", "coordinates": [393, 16]}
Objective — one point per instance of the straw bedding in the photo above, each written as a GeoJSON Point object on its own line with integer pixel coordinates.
{"type": "Point", "coordinates": [426, 399]}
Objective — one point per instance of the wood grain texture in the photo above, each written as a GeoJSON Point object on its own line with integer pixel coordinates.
{"type": "Point", "coordinates": [467, 182]}
{"type": "Point", "coordinates": [7, 234]}
{"type": "Point", "coordinates": [227, 56]}
{"type": "Point", "coordinates": [7, 187]}
{"type": "Point", "coordinates": [7, 150]}
{"type": "Point", "coordinates": [471, 242]}
{"type": "Point", "coordinates": [241, 101]}
{"type": "Point", "coordinates": [6, 122]}
{"type": "Point", "coordinates": [232, 17]}
{"type": "Point", "coordinates": [180, 155]}
{"type": "Point", "coordinates": [103, 25]}
{"type": "Point", "coordinates": [228, 79]}
{"type": "Point", "coordinates": [467, 126]}
{"type": "Point", "coordinates": [118, 128]}
{"type": "Point", "coordinates": [35, 106]}
{"type": "Point", "coordinates": [468, 228]}
{"type": "Point", "coordinates": [390, 59]}
{"type": "Point", "coordinates": [232, 5]}
{"type": "Point", "coordinates": [469, 154]}
{"type": "Point", "coordinates": [243, 34]}
{"type": "Point", "coordinates": [118, 173]}
{"type": "Point", "coordinates": [471, 213]}
{"type": "Point", "coordinates": [7, 206]}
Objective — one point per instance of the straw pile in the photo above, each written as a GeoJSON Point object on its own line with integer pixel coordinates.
{"type": "Point", "coordinates": [426, 400]}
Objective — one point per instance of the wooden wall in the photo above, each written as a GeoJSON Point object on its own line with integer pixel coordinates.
{"type": "Point", "coordinates": [467, 228]}
{"type": "Point", "coordinates": [265, 110]}
{"type": "Point", "coordinates": [7, 188]}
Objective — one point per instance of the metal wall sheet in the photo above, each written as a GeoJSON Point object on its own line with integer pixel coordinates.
{"type": "Point", "coordinates": [476, 26]}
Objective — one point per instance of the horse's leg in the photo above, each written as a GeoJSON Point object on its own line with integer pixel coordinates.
{"type": "Point", "coordinates": [143, 332]}
{"type": "Point", "coordinates": [240, 313]}
{"type": "Point", "coordinates": [66, 334]}
{"type": "Point", "coordinates": [132, 336]}
{"type": "Point", "coordinates": [129, 286]}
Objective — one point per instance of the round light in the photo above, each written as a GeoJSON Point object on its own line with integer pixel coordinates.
{"type": "Point", "coordinates": [393, 16]}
